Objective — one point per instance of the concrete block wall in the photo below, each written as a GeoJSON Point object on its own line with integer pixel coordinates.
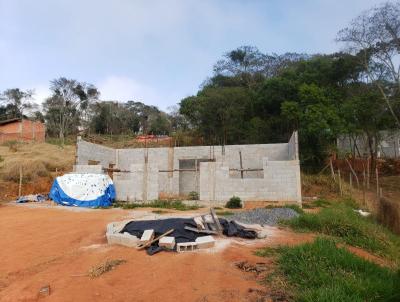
{"type": "Point", "coordinates": [214, 181]}
{"type": "Point", "coordinates": [281, 182]}
{"type": "Point", "coordinates": [141, 184]}
{"type": "Point", "coordinates": [87, 151]}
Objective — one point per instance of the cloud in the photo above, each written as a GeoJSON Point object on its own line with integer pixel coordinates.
{"type": "Point", "coordinates": [122, 88]}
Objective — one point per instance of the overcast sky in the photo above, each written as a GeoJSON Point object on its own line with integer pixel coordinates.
{"type": "Point", "coordinates": [157, 52]}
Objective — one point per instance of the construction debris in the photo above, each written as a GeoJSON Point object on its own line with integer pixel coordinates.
{"type": "Point", "coordinates": [147, 236]}
{"type": "Point", "coordinates": [205, 242]}
{"type": "Point", "coordinates": [180, 234]}
{"type": "Point", "coordinates": [167, 242]}
{"type": "Point", "coordinates": [142, 246]}
{"type": "Point", "coordinates": [186, 247]}
{"type": "Point", "coordinates": [32, 198]}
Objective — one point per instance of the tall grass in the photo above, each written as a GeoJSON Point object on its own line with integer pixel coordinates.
{"type": "Point", "coordinates": [339, 220]}
{"type": "Point", "coordinates": [36, 160]}
{"type": "Point", "coordinates": [320, 271]}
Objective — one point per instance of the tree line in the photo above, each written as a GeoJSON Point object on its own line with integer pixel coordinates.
{"type": "Point", "coordinates": [256, 97]}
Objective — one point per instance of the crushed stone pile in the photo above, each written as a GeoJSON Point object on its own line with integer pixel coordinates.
{"type": "Point", "coordinates": [269, 217]}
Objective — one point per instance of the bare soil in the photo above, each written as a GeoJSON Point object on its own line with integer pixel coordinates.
{"type": "Point", "coordinates": [57, 247]}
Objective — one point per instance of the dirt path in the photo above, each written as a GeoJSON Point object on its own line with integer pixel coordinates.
{"type": "Point", "coordinates": [45, 246]}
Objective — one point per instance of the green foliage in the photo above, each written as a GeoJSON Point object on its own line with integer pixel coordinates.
{"type": "Point", "coordinates": [193, 195]}
{"type": "Point", "coordinates": [341, 221]}
{"type": "Point", "coordinates": [320, 271]}
{"type": "Point", "coordinates": [259, 104]}
{"type": "Point", "coordinates": [163, 204]}
{"type": "Point", "coordinates": [218, 113]}
{"type": "Point", "coordinates": [130, 117]}
{"type": "Point", "coordinates": [234, 203]}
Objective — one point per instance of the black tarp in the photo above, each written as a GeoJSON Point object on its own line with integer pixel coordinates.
{"type": "Point", "coordinates": [161, 226]}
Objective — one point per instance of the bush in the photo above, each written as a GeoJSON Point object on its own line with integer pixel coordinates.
{"type": "Point", "coordinates": [193, 195]}
{"type": "Point", "coordinates": [234, 203]}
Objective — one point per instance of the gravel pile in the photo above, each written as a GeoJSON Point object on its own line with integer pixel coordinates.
{"type": "Point", "coordinates": [264, 216]}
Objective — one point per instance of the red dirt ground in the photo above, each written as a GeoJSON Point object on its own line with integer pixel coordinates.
{"type": "Point", "coordinates": [52, 246]}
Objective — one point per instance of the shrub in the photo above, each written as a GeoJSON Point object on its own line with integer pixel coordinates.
{"type": "Point", "coordinates": [234, 203]}
{"type": "Point", "coordinates": [194, 195]}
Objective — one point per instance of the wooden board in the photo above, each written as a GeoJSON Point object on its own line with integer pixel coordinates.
{"type": "Point", "coordinates": [142, 246]}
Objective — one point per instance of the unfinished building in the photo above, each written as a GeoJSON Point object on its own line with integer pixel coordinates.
{"type": "Point", "coordinates": [260, 172]}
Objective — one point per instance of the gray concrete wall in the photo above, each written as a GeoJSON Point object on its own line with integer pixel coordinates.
{"type": "Point", "coordinates": [388, 144]}
{"type": "Point", "coordinates": [164, 178]}
{"type": "Point", "coordinates": [281, 182]}
{"type": "Point", "coordinates": [141, 184]}
{"type": "Point", "coordinates": [88, 151]}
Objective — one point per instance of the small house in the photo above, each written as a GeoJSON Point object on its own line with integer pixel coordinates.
{"type": "Point", "coordinates": [22, 129]}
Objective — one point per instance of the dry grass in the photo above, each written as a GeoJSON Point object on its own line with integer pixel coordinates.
{"type": "Point", "coordinates": [36, 160]}
{"type": "Point", "coordinates": [104, 267]}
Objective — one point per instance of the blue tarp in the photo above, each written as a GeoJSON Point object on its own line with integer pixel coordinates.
{"type": "Point", "coordinates": [104, 199]}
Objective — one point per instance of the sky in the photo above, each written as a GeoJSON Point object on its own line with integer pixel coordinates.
{"type": "Point", "coordinates": [156, 52]}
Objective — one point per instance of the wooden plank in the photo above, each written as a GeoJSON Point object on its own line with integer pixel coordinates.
{"type": "Point", "coordinates": [216, 220]}
{"type": "Point", "coordinates": [200, 231]}
{"type": "Point", "coordinates": [142, 246]}
{"type": "Point", "coordinates": [206, 226]}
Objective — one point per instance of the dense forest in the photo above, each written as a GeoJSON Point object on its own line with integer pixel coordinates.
{"type": "Point", "coordinates": [255, 97]}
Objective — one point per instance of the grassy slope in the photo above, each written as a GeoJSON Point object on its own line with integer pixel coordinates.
{"type": "Point", "coordinates": [321, 271]}
{"type": "Point", "coordinates": [340, 221]}
{"type": "Point", "coordinates": [43, 157]}
{"type": "Point", "coordinates": [39, 161]}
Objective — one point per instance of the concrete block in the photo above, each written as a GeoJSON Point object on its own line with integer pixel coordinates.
{"type": "Point", "coordinates": [205, 242]}
{"type": "Point", "coordinates": [112, 238]}
{"type": "Point", "coordinates": [168, 242]}
{"type": "Point", "coordinates": [147, 236]}
{"type": "Point", "coordinates": [125, 239]}
{"type": "Point", "coordinates": [128, 240]}
{"type": "Point", "coordinates": [186, 247]}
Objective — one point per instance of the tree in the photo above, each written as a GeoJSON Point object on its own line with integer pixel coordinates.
{"type": "Point", "coordinates": [219, 114]}
{"type": "Point", "coordinates": [16, 101]}
{"type": "Point", "coordinates": [69, 100]}
{"type": "Point", "coordinates": [245, 59]}
{"type": "Point", "coordinates": [251, 65]}
{"type": "Point", "coordinates": [374, 36]}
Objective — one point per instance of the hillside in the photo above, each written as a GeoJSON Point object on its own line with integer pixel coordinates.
{"type": "Point", "coordinates": [39, 163]}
